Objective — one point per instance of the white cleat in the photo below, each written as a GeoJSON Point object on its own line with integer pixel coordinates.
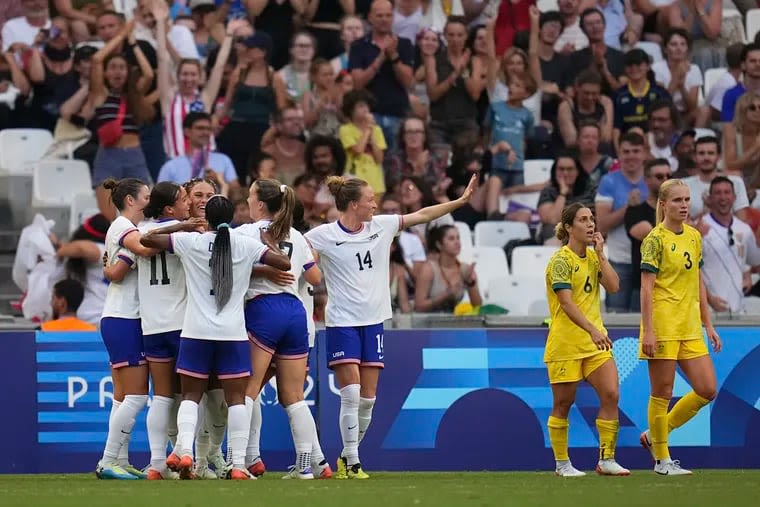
{"type": "Point", "coordinates": [567, 469]}
{"type": "Point", "coordinates": [611, 467]}
{"type": "Point", "coordinates": [220, 465]}
{"type": "Point", "coordinates": [670, 467]}
{"type": "Point", "coordinates": [646, 442]}
{"type": "Point", "coordinates": [296, 474]}
{"type": "Point", "coordinates": [204, 473]}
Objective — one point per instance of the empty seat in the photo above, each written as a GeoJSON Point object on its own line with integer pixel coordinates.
{"type": "Point", "coordinates": [465, 237]}
{"type": "Point", "coordinates": [752, 23]}
{"type": "Point", "coordinates": [652, 49]}
{"type": "Point", "coordinates": [521, 295]}
{"type": "Point", "coordinates": [531, 259]}
{"type": "Point", "coordinates": [490, 262]}
{"type": "Point", "coordinates": [703, 132]}
{"type": "Point", "coordinates": [56, 182]}
{"type": "Point", "coordinates": [499, 233]}
{"type": "Point", "coordinates": [20, 147]}
{"type": "Point", "coordinates": [712, 76]}
{"type": "Point", "coordinates": [537, 170]}
{"type": "Point", "coordinates": [82, 207]}
{"type": "Point", "coordinates": [547, 5]}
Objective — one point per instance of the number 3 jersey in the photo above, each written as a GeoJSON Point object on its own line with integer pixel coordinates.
{"type": "Point", "coordinates": [161, 287]}
{"type": "Point", "coordinates": [675, 259]}
{"type": "Point", "coordinates": [356, 268]}
{"type": "Point", "coordinates": [581, 275]}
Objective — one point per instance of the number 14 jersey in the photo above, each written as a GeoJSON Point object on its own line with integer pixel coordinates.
{"type": "Point", "coordinates": [356, 270]}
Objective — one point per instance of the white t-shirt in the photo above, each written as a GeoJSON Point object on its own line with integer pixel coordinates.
{"type": "Point", "coordinates": [572, 34]}
{"type": "Point", "coordinates": [297, 250]}
{"type": "Point", "coordinates": [715, 95]}
{"type": "Point", "coordinates": [662, 75]}
{"type": "Point", "coordinates": [202, 321]}
{"type": "Point", "coordinates": [407, 26]}
{"type": "Point", "coordinates": [666, 153]}
{"type": "Point", "coordinates": [180, 37]}
{"type": "Point", "coordinates": [161, 288]}
{"type": "Point", "coordinates": [356, 269]}
{"type": "Point", "coordinates": [306, 294]}
{"type": "Point", "coordinates": [698, 189]}
{"type": "Point", "coordinates": [414, 250]}
{"type": "Point", "coordinates": [19, 30]}
{"type": "Point", "coordinates": [121, 298]}
{"type": "Point", "coordinates": [95, 290]}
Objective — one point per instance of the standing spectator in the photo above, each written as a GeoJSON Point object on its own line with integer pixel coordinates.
{"type": "Point", "coordinates": [415, 195]}
{"type": "Point", "coordinates": [663, 131]}
{"type": "Point", "coordinates": [711, 110]}
{"type": "Point", "coordinates": [67, 296]}
{"type": "Point", "coordinates": [478, 46]}
{"type": "Point", "coordinates": [81, 15]}
{"type": "Point", "coordinates": [363, 141]}
{"type": "Point", "coordinates": [324, 157]}
{"type": "Point", "coordinates": [207, 18]}
{"type": "Point", "coordinates": [623, 24]}
{"type": "Point", "coordinates": [572, 37]}
{"type": "Point", "coordinates": [381, 63]}
{"type": "Point", "coordinates": [513, 17]}
{"type": "Point", "coordinates": [413, 253]}
{"type": "Point", "coordinates": [593, 162]}
{"type": "Point", "coordinates": [408, 18]}
{"type": "Point", "coordinates": [587, 104]}
{"type": "Point", "coordinates": [437, 12]}
{"type": "Point", "coordinates": [607, 61]}
{"type": "Point", "coordinates": [741, 141]}
{"type": "Point", "coordinates": [296, 74]}
{"type": "Point", "coordinates": [617, 192]}
{"type": "Point", "coordinates": [323, 21]}
{"type": "Point", "coordinates": [640, 219]}
{"type": "Point", "coordinates": [678, 75]}
{"type": "Point", "coordinates": [321, 104]}
{"type": "Point", "coordinates": [702, 20]}
{"type": "Point", "coordinates": [74, 127]}
{"type": "Point", "coordinates": [568, 184]}
{"type": "Point", "coordinates": [351, 29]}
{"type": "Point", "coordinates": [414, 157]}
{"type": "Point", "coordinates": [14, 88]}
{"type": "Point", "coordinates": [428, 46]}
{"type": "Point", "coordinates": [23, 30]}
{"type": "Point", "coordinates": [277, 19]}
{"type": "Point", "coordinates": [750, 81]}
{"type": "Point", "coordinates": [181, 43]}
{"type": "Point", "coordinates": [284, 142]}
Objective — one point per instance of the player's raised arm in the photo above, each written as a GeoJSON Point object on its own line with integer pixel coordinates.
{"type": "Point", "coordinates": [430, 213]}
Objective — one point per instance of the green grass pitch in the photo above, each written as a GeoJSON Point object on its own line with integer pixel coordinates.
{"type": "Point", "coordinates": [706, 488]}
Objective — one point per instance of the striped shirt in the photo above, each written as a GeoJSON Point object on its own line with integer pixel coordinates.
{"type": "Point", "coordinates": [108, 111]}
{"type": "Point", "coordinates": [175, 142]}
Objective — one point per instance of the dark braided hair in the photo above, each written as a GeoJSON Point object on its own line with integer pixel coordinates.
{"type": "Point", "coordinates": [219, 213]}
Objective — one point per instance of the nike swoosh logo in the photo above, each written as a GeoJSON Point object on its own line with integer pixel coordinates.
{"type": "Point", "coordinates": [381, 357]}
{"type": "Point", "coordinates": [126, 432]}
{"type": "Point", "coordinates": [338, 243]}
{"type": "Point", "coordinates": [352, 427]}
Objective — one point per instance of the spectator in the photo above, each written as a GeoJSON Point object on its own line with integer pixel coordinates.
{"type": "Point", "coordinates": [242, 213]}
{"type": "Point", "coordinates": [467, 160]}
{"type": "Point", "coordinates": [623, 25]}
{"type": "Point", "coordinates": [414, 196]}
{"type": "Point", "coordinates": [711, 110]}
{"type": "Point", "coordinates": [81, 15]}
{"type": "Point", "coordinates": [218, 105]}
{"type": "Point", "coordinates": [284, 142]}
{"type": "Point", "coordinates": [686, 167]}
{"type": "Point", "coordinates": [741, 141]}
{"type": "Point", "coordinates": [21, 32]}
{"type": "Point", "coordinates": [707, 154]}
{"type": "Point", "coordinates": [750, 81]}
{"type": "Point", "coordinates": [683, 148]}
{"type": "Point", "coordinates": [617, 192]}
{"type": "Point", "coordinates": [306, 187]}
{"type": "Point", "coordinates": [263, 166]}
{"type": "Point", "coordinates": [454, 84]}
{"type": "Point", "coordinates": [181, 43]}
{"type": "Point", "coordinates": [120, 108]}
{"type": "Point", "coordinates": [572, 37]}
{"type": "Point", "coordinates": [381, 63]}
{"type": "Point", "coordinates": [663, 125]}
{"type": "Point", "coordinates": [428, 46]}
{"type": "Point", "coordinates": [14, 88]}
{"type": "Point", "coordinates": [702, 21]}
{"type": "Point", "coordinates": [592, 161]}
{"type": "Point", "coordinates": [296, 74]}
{"type": "Point", "coordinates": [74, 126]}
{"type": "Point", "coordinates": [729, 250]}
{"type": "Point", "coordinates": [408, 18]}
{"type": "Point", "coordinates": [67, 296]}
{"type": "Point", "coordinates": [641, 219]}
{"type": "Point", "coordinates": [351, 29]}
{"type": "Point", "coordinates": [587, 104]}
{"type": "Point", "coordinates": [321, 104]}
{"type": "Point", "coordinates": [437, 12]}
{"type": "Point", "coordinates": [442, 281]}
{"type": "Point", "coordinates": [607, 61]}
{"type": "Point", "coordinates": [414, 157]}
{"type": "Point", "coordinates": [199, 161]}
{"type": "Point", "coordinates": [207, 20]}
{"type": "Point", "coordinates": [323, 20]}
{"type": "Point", "coordinates": [478, 46]}
{"type": "Point", "coordinates": [277, 19]}
{"type": "Point", "coordinates": [567, 184]}
{"type": "Point", "coordinates": [512, 18]}
{"type": "Point", "coordinates": [681, 78]}
{"type": "Point", "coordinates": [363, 141]}
{"type": "Point", "coordinates": [399, 289]}
{"type": "Point", "coordinates": [324, 156]}
{"type": "Point", "coordinates": [413, 250]}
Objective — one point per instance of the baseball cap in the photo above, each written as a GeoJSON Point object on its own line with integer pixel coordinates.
{"type": "Point", "coordinates": [259, 40]}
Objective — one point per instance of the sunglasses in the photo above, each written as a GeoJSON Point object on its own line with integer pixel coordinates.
{"type": "Point", "coordinates": [730, 236]}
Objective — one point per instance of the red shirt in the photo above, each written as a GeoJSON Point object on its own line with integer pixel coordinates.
{"type": "Point", "coordinates": [513, 17]}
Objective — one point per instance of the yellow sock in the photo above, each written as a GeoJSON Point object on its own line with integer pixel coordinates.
{"type": "Point", "coordinates": [686, 408]}
{"type": "Point", "coordinates": [658, 426]}
{"type": "Point", "coordinates": [558, 437]}
{"type": "Point", "coordinates": [608, 432]}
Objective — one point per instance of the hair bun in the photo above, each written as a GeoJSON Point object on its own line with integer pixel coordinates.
{"type": "Point", "coordinates": [335, 183]}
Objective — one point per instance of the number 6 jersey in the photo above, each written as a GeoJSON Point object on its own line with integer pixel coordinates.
{"type": "Point", "coordinates": [356, 269]}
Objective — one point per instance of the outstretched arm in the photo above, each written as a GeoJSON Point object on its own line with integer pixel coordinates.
{"type": "Point", "coordinates": [430, 213]}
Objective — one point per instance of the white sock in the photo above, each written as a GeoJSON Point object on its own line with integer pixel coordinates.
{"type": "Point", "coordinates": [317, 456]}
{"type": "Point", "coordinates": [349, 422]}
{"type": "Point", "coordinates": [171, 428]}
{"type": "Point", "coordinates": [303, 429]}
{"type": "Point", "coordinates": [187, 420]}
{"type": "Point", "coordinates": [252, 451]}
{"type": "Point", "coordinates": [114, 407]}
{"type": "Point", "coordinates": [201, 435]}
{"type": "Point", "coordinates": [120, 425]}
{"type": "Point", "coordinates": [157, 423]}
{"type": "Point", "coordinates": [365, 415]}
{"type": "Point", "coordinates": [216, 420]}
{"type": "Point", "coordinates": [237, 420]}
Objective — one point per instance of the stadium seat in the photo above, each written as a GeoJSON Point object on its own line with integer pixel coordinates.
{"type": "Point", "coordinates": [56, 182]}
{"type": "Point", "coordinates": [82, 207]}
{"type": "Point", "coordinates": [752, 24]}
{"type": "Point", "coordinates": [521, 295]}
{"type": "Point", "coordinates": [547, 5]}
{"type": "Point", "coordinates": [752, 305]}
{"type": "Point", "coordinates": [20, 147]}
{"type": "Point", "coordinates": [531, 260]}
{"type": "Point", "coordinates": [490, 262]}
{"type": "Point", "coordinates": [652, 49]}
{"type": "Point", "coordinates": [537, 170]}
{"type": "Point", "coordinates": [465, 237]}
{"type": "Point", "coordinates": [499, 233]}
{"type": "Point", "coordinates": [711, 77]}
{"type": "Point", "coordinates": [702, 132]}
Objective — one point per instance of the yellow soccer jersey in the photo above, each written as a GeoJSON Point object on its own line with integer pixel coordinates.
{"type": "Point", "coordinates": [566, 270]}
{"type": "Point", "coordinates": [676, 259]}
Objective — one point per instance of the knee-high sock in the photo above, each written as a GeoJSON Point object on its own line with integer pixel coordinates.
{"type": "Point", "coordinates": [239, 424]}
{"type": "Point", "coordinates": [349, 422]}
{"type": "Point", "coordinates": [303, 430]}
{"type": "Point", "coordinates": [558, 429]}
{"type": "Point", "coordinates": [252, 452]}
{"type": "Point", "coordinates": [317, 456]}
{"type": "Point", "coordinates": [216, 420]}
{"type": "Point", "coordinates": [157, 423]}
{"type": "Point", "coordinates": [201, 434]}
{"type": "Point", "coordinates": [121, 423]}
{"type": "Point", "coordinates": [171, 428]}
{"type": "Point", "coordinates": [658, 426]}
{"type": "Point", "coordinates": [187, 420]}
{"type": "Point", "coordinates": [608, 432]}
{"type": "Point", "coordinates": [365, 415]}
{"type": "Point", "coordinates": [684, 409]}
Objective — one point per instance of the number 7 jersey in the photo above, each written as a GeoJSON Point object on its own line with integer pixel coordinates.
{"type": "Point", "coordinates": [356, 269]}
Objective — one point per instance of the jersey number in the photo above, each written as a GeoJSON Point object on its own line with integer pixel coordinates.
{"type": "Point", "coordinates": [379, 339]}
{"type": "Point", "coordinates": [587, 287]}
{"type": "Point", "coordinates": [688, 264]}
{"type": "Point", "coordinates": [164, 272]}
{"type": "Point", "coordinates": [367, 261]}
{"type": "Point", "coordinates": [286, 246]}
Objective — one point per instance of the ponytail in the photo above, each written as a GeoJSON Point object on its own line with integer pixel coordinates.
{"type": "Point", "coordinates": [219, 213]}
{"type": "Point", "coordinates": [663, 196]}
{"type": "Point", "coordinates": [280, 201]}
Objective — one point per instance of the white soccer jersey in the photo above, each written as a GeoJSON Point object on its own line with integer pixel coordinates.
{"type": "Point", "coordinates": [355, 266]}
{"type": "Point", "coordinates": [201, 318]}
{"type": "Point", "coordinates": [161, 287]}
{"type": "Point", "coordinates": [306, 293]}
{"type": "Point", "coordinates": [297, 250]}
{"type": "Point", "coordinates": [95, 290]}
{"type": "Point", "coordinates": [121, 298]}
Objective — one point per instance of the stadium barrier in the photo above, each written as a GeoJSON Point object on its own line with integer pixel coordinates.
{"type": "Point", "coordinates": [449, 399]}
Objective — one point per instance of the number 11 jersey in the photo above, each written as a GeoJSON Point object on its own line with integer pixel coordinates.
{"type": "Point", "coordinates": [356, 269]}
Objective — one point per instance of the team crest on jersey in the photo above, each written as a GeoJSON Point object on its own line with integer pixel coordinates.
{"type": "Point", "coordinates": [650, 248]}
{"type": "Point", "coordinates": [673, 247]}
{"type": "Point", "coordinates": [577, 268]}
{"type": "Point", "coordinates": [561, 269]}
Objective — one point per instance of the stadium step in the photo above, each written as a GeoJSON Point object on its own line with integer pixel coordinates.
{"type": "Point", "coordinates": [8, 241]}
{"type": "Point", "coordinates": [8, 290]}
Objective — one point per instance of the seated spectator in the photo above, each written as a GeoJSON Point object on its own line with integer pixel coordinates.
{"type": "Point", "coordinates": [587, 104]}
{"type": "Point", "coordinates": [623, 24]}
{"type": "Point", "coordinates": [399, 289]}
{"type": "Point", "coordinates": [572, 37]}
{"type": "Point", "coordinates": [20, 33]}
{"type": "Point", "coordinates": [408, 18]}
{"type": "Point", "coordinates": [414, 157]}
{"type": "Point", "coordinates": [678, 75]}
{"type": "Point", "coordinates": [663, 131]}
{"type": "Point", "coordinates": [413, 250]}
{"type": "Point", "coordinates": [593, 162]}
{"type": "Point", "coordinates": [67, 296]}
{"type": "Point", "coordinates": [442, 281]}
{"type": "Point", "coordinates": [415, 195]}
{"type": "Point", "coordinates": [321, 104]}
{"type": "Point", "coordinates": [607, 61]}
{"type": "Point", "coordinates": [296, 74]}
{"type": "Point", "coordinates": [467, 160]}
{"type": "Point", "coordinates": [262, 166]}
{"type": "Point", "coordinates": [750, 81]}
{"type": "Point", "coordinates": [351, 29]}
{"type": "Point", "coordinates": [363, 141]}
{"type": "Point", "coordinates": [741, 142]}
{"type": "Point", "coordinates": [242, 213]}
{"type": "Point", "coordinates": [568, 184]}
{"type": "Point", "coordinates": [284, 142]}
{"type": "Point", "coordinates": [324, 156]}
{"type": "Point", "coordinates": [702, 21]}
{"type": "Point", "coordinates": [14, 88]}
{"type": "Point", "coordinates": [81, 15]}
{"type": "Point", "coordinates": [306, 187]}
{"type": "Point", "coordinates": [711, 110]}
{"type": "Point", "coordinates": [200, 162]}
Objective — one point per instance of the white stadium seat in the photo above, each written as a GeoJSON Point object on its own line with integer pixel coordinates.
{"type": "Point", "coordinates": [537, 170]}
{"type": "Point", "coordinates": [531, 259]}
{"type": "Point", "coordinates": [490, 262]}
{"type": "Point", "coordinates": [703, 132]}
{"type": "Point", "coordinates": [652, 49]}
{"type": "Point", "coordinates": [499, 233]}
{"type": "Point", "coordinates": [82, 207]}
{"type": "Point", "coordinates": [56, 182]}
{"type": "Point", "coordinates": [521, 295]}
{"type": "Point", "coordinates": [752, 23]}
{"type": "Point", "coordinates": [547, 5]}
{"type": "Point", "coordinates": [20, 147]}
{"type": "Point", "coordinates": [465, 237]}
{"type": "Point", "coordinates": [711, 77]}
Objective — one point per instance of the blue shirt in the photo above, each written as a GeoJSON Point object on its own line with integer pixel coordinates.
{"type": "Point", "coordinates": [728, 108]}
{"type": "Point", "coordinates": [615, 187]}
{"type": "Point", "coordinates": [510, 124]}
{"type": "Point", "coordinates": [632, 110]}
{"type": "Point", "coordinates": [180, 169]}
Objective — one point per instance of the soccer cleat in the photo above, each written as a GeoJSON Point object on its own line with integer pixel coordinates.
{"type": "Point", "coordinates": [257, 469]}
{"type": "Point", "coordinates": [239, 474]}
{"type": "Point", "coordinates": [295, 474]}
{"type": "Point", "coordinates": [184, 467]}
{"type": "Point", "coordinates": [355, 472]}
{"type": "Point", "coordinates": [112, 471]}
{"type": "Point", "coordinates": [172, 462]}
{"type": "Point", "coordinates": [156, 475]}
{"type": "Point", "coordinates": [611, 467]}
{"type": "Point", "coordinates": [568, 470]}
{"type": "Point", "coordinates": [220, 465]}
{"type": "Point", "coordinates": [670, 467]}
{"type": "Point", "coordinates": [323, 470]}
{"type": "Point", "coordinates": [341, 469]}
{"type": "Point", "coordinates": [646, 443]}
{"type": "Point", "coordinates": [134, 471]}
{"type": "Point", "coordinates": [205, 473]}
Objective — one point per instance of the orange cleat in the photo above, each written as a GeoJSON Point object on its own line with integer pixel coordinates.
{"type": "Point", "coordinates": [325, 472]}
{"type": "Point", "coordinates": [154, 475]}
{"type": "Point", "coordinates": [236, 474]}
{"type": "Point", "coordinates": [257, 469]}
{"type": "Point", "coordinates": [172, 462]}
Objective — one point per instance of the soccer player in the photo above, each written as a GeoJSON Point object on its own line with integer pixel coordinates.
{"type": "Point", "coordinates": [218, 265]}
{"type": "Point", "coordinates": [277, 323]}
{"type": "Point", "coordinates": [354, 254]}
{"type": "Point", "coordinates": [673, 310]}
{"type": "Point", "coordinates": [199, 191]}
{"type": "Point", "coordinates": [120, 326]}
{"type": "Point", "coordinates": [163, 297]}
{"type": "Point", "coordinates": [578, 347]}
